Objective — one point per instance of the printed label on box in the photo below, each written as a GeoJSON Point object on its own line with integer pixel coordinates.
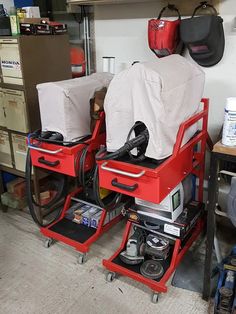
{"type": "Point", "coordinates": [10, 64]}
{"type": "Point", "coordinates": [172, 230]}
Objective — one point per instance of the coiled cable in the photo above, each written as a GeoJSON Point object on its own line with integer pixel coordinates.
{"type": "Point", "coordinates": [61, 186]}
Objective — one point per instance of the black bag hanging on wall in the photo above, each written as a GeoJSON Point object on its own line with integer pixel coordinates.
{"type": "Point", "coordinates": [204, 36]}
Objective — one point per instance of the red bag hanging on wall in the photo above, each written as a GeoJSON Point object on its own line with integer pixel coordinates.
{"type": "Point", "coordinates": [163, 35]}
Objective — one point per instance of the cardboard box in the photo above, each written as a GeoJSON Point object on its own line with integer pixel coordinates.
{"type": "Point", "coordinates": [17, 187]}
{"type": "Point", "coordinates": [94, 222]}
{"type": "Point", "coordinates": [79, 212]}
{"type": "Point", "coordinates": [32, 12]}
{"type": "Point", "coordinates": [12, 201]}
{"type": "Point", "coordinates": [15, 107]}
{"type": "Point", "coordinates": [70, 213]}
{"type": "Point", "coordinates": [20, 151]}
{"type": "Point", "coordinates": [46, 197]}
{"type": "Point", "coordinates": [86, 217]}
{"type": "Point", "coordinates": [34, 20]}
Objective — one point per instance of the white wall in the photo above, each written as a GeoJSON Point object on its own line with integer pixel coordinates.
{"type": "Point", "coordinates": [121, 32]}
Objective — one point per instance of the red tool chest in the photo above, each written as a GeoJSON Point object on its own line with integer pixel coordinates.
{"type": "Point", "coordinates": [65, 159]}
{"type": "Point", "coordinates": [154, 184]}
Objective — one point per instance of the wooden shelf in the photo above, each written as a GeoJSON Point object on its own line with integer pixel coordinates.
{"type": "Point", "coordinates": [178, 3]}
{"type": "Point", "coordinates": [223, 149]}
{"type": "Point", "coordinates": [40, 174]}
{"type": "Point", "coordinates": [12, 171]}
{"type": "Point", "coordinates": [12, 86]}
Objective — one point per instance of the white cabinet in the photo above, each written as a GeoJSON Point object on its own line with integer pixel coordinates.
{"type": "Point", "coordinates": [2, 110]}
{"type": "Point", "coordinates": [13, 113]}
{"type": "Point", "coordinates": [5, 150]}
{"type": "Point", "coordinates": [14, 107]}
{"type": "Point", "coordinates": [10, 62]}
{"type": "Point", "coordinates": [19, 151]}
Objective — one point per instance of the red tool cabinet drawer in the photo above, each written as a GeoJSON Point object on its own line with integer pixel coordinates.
{"type": "Point", "coordinates": [151, 184]}
{"type": "Point", "coordinates": [59, 158]}
{"type": "Point", "coordinates": [128, 179]}
{"type": "Point", "coordinates": [148, 184]}
{"type": "Point", "coordinates": [65, 159]}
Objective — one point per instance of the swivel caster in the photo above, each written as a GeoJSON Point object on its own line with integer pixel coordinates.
{"type": "Point", "coordinates": [82, 258]}
{"type": "Point", "coordinates": [155, 297]}
{"type": "Point", "coordinates": [110, 276]}
{"type": "Point", "coordinates": [48, 242]}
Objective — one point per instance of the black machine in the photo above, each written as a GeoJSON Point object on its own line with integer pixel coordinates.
{"type": "Point", "coordinates": [180, 228]}
{"type": "Point", "coordinates": [132, 255]}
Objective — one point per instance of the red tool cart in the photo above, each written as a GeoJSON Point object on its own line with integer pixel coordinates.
{"type": "Point", "coordinates": [153, 185]}
{"type": "Point", "coordinates": [65, 160]}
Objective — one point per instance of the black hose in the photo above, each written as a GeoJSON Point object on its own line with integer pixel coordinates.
{"type": "Point", "coordinates": [130, 144]}
{"type": "Point", "coordinates": [30, 199]}
{"type": "Point", "coordinates": [96, 191]}
{"type": "Point", "coordinates": [82, 167]}
{"type": "Point", "coordinates": [142, 138]}
{"type": "Point", "coordinates": [80, 140]}
{"type": "Point", "coordinates": [84, 177]}
{"type": "Point", "coordinates": [141, 148]}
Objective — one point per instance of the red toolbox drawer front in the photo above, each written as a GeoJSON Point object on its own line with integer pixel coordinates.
{"type": "Point", "coordinates": [130, 180]}
{"type": "Point", "coordinates": [64, 161]}
{"type": "Point", "coordinates": [150, 184]}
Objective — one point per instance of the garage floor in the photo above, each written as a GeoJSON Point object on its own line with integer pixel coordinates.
{"type": "Point", "coordinates": [34, 279]}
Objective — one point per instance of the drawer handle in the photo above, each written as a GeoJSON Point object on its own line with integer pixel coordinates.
{"type": "Point", "coordinates": [42, 160]}
{"type": "Point", "coordinates": [52, 152]}
{"type": "Point", "coordinates": [125, 187]}
{"type": "Point", "coordinates": [124, 173]}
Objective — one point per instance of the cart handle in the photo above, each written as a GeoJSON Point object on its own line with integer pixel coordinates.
{"type": "Point", "coordinates": [42, 160]}
{"type": "Point", "coordinates": [185, 125]}
{"type": "Point", "coordinates": [124, 173]}
{"type": "Point", "coordinates": [122, 186]}
{"type": "Point", "coordinates": [52, 152]}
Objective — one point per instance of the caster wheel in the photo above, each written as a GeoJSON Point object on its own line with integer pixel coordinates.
{"type": "Point", "coordinates": [155, 298]}
{"type": "Point", "coordinates": [110, 277]}
{"type": "Point", "coordinates": [82, 258]}
{"type": "Point", "coordinates": [48, 242]}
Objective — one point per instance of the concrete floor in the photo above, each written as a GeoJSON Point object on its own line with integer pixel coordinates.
{"type": "Point", "coordinates": [37, 280]}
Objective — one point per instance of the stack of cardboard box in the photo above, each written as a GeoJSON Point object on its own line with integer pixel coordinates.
{"type": "Point", "coordinates": [15, 197]}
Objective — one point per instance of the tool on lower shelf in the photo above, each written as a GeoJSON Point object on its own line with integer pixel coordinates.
{"type": "Point", "coordinates": [132, 255]}
{"type": "Point", "coordinates": [156, 247]}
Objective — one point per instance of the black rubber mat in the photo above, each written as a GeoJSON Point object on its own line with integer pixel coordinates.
{"type": "Point", "coordinates": [72, 230]}
{"type": "Point", "coordinates": [136, 268]}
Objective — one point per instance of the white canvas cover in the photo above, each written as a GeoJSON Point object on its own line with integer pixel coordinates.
{"type": "Point", "coordinates": [64, 105]}
{"type": "Point", "coordinates": [161, 94]}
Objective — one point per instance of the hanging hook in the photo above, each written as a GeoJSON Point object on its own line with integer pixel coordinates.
{"type": "Point", "coordinates": [171, 6]}
{"type": "Point", "coordinates": [204, 4]}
